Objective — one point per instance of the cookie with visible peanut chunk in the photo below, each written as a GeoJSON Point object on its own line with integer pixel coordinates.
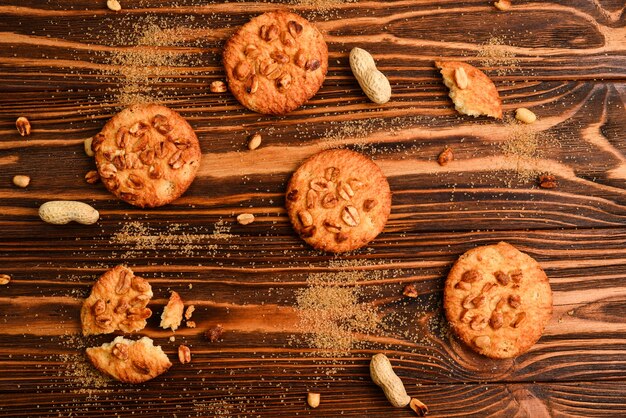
{"type": "Point", "coordinates": [147, 155]}
{"type": "Point", "coordinates": [130, 361]}
{"type": "Point", "coordinates": [498, 300]}
{"type": "Point", "coordinates": [117, 301]}
{"type": "Point", "coordinates": [338, 200]}
{"type": "Point", "coordinates": [472, 92]}
{"type": "Point", "coordinates": [275, 62]}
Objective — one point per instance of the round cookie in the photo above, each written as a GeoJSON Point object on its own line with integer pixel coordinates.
{"type": "Point", "coordinates": [275, 62]}
{"type": "Point", "coordinates": [147, 155]}
{"type": "Point", "coordinates": [338, 200]}
{"type": "Point", "coordinates": [498, 300]}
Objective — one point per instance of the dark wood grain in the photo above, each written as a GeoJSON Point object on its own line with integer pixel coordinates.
{"type": "Point", "coordinates": [56, 68]}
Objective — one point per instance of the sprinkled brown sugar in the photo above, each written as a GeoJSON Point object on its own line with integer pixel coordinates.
{"type": "Point", "coordinates": [495, 53]}
{"type": "Point", "coordinates": [154, 54]}
{"type": "Point", "coordinates": [179, 238]}
{"type": "Point", "coordinates": [524, 144]}
{"type": "Point", "coordinates": [331, 310]}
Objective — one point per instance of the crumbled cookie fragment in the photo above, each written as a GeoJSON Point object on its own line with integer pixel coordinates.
{"type": "Point", "coordinates": [129, 361]}
{"type": "Point", "coordinates": [478, 96]}
{"type": "Point", "coordinates": [189, 312]}
{"type": "Point", "coordinates": [117, 301]}
{"type": "Point", "coordinates": [172, 314]}
{"type": "Point", "coordinates": [4, 279]}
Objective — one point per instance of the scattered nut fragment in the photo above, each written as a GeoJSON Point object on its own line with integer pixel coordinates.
{"type": "Point", "coordinates": [190, 324]}
{"type": "Point", "coordinates": [418, 407]}
{"type": "Point", "coordinates": [313, 399]}
{"type": "Point", "coordinates": [92, 177]}
{"type": "Point", "coordinates": [87, 146]}
{"type": "Point", "coordinates": [245, 218]}
{"type": "Point", "coordinates": [114, 5]}
{"type": "Point", "coordinates": [23, 126]}
{"type": "Point", "coordinates": [217, 86]}
{"type": "Point", "coordinates": [214, 333]}
{"type": "Point", "coordinates": [410, 291]}
{"type": "Point", "coordinates": [254, 141]}
{"type": "Point", "coordinates": [21, 181]}
{"type": "Point", "coordinates": [184, 354]}
{"type": "Point", "coordinates": [446, 156]}
{"type": "Point", "coordinates": [4, 279]}
{"type": "Point", "coordinates": [503, 5]}
{"type": "Point", "coordinates": [524, 115]}
{"type": "Point", "coordinates": [460, 78]}
{"type": "Point", "coordinates": [547, 181]}
{"type": "Point", "coordinates": [61, 212]}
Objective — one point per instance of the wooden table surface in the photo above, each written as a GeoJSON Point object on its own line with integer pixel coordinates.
{"type": "Point", "coordinates": [568, 64]}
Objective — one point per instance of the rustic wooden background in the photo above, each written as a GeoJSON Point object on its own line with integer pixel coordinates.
{"type": "Point", "coordinates": [571, 72]}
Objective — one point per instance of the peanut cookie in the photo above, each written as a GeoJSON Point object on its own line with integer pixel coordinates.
{"type": "Point", "coordinates": [147, 155]}
{"type": "Point", "coordinates": [338, 200]}
{"type": "Point", "coordinates": [275, 62]}
{"type": "Point", "coordinates": [129, 361]}
{"type": "Point", "coordinates": [117, 302]}
{"type": "Point", "coordinates": [172, 314]}
{"type": "Point", "coordinates": [498, 300]}
{"type": "Point", "coordinates": [472, 92]}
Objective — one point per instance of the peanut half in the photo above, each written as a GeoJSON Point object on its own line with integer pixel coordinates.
{"type": "Point", "coordinates": [245, 218]}
{"type": "Point", "coordinates": [524, 115]}
{"type": "Point", "coordinates": [254, 141]}
{"type": "Point", "coordinates": [382, 374]}
{"type": "Point", "coordinates": [373, 83]}
{"type": "Point", "coordinates": [61, 212]}
{"type": "Point", "coordinates": [21, 181]}
{"type": "Point", "coordinates": [313, 399]}
{"type": "Point", "coordinates": [114, 5]}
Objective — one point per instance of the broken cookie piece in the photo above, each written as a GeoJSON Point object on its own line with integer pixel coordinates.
{"type": "Point", "coordinates": [117, 301]}
{"type": "Point", "coordinates": [173, 312]}
{"type": "Point", "coordinates": [472, 92]}
{"type": "Point", "coordinates": [129, 361]}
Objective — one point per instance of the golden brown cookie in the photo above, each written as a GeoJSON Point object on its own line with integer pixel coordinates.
{"type": "Point", "coordinates": [129, 361]}
{"type": "Point", "coordinates": [147, 155]}
{"type": "Point", "coordinates": [275, 62]}
{"type": "Point", "coordinates": [472, 92]}
{"type": "Point", "coordinates": [117, 302]}
{"type": "Point", "coordinates": [338, 200]}
{"type": "Point", "coordinates": [172, 314]}
{"type": "Point", "coordinates": [498, 300]}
